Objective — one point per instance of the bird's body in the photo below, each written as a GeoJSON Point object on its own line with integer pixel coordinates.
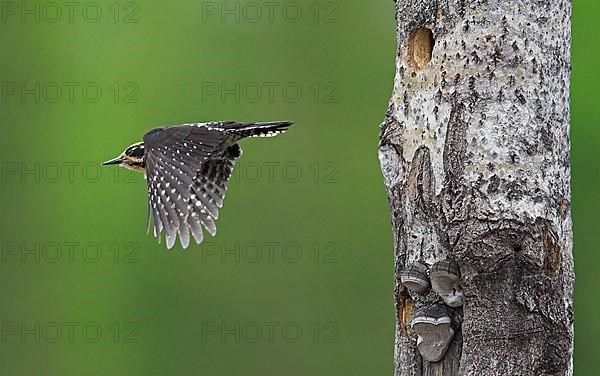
{"type": "Point", "coordinates": [187, 168]}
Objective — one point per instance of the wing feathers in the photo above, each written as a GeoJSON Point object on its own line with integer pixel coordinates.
{"type": "Point", "coordinates": [187, 170]}
{"type": "Point", "coordinates": [195, 228]}
{"type": "Point", "coordinates": [185, 201]}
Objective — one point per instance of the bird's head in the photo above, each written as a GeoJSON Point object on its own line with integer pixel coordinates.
{"type": "Point", "coordinates": [132, 158]}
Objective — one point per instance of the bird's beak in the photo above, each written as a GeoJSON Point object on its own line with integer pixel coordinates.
{"type": "Point", "coordinates": [117, 160]}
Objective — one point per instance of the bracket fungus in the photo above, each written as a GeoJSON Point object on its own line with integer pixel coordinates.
{"type": "Point", "coordinates": [415, 278]}
{"type": "Point", "coordinates": [433, 327]}
{"type": "Point", "coordinates": [445, 279]}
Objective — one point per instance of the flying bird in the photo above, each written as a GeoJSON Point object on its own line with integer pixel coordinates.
{"type": "Point", "coordinates": [187, 167]}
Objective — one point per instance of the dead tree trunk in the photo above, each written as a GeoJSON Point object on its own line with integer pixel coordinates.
{"type": "Point", "coordinates": [475, 156]}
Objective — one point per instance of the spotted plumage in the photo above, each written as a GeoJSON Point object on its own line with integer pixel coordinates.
{"type": "Point", "coordinates": [187, 168]}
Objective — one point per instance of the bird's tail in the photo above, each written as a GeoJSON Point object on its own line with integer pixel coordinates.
{"type": "Point", "coordinates": [265, 129]}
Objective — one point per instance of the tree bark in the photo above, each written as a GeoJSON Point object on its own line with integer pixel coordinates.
{"type": "Point", "coordinates": [474, 151]}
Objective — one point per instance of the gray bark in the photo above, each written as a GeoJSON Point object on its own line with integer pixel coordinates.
{"type": "Point", "coordinates": [475, 156]}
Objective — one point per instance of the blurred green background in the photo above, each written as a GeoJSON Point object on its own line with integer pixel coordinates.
{"type": "Point", "coordinates": [298, 280]}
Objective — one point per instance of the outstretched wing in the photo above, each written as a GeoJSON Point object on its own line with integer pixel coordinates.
{"type": "Point", "coordinates": [187, 169]}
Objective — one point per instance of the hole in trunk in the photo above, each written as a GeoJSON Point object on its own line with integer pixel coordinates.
{"type": "Point", "coordinates": [420, 47]}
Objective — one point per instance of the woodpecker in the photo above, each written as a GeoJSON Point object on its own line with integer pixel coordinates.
{"type": "Point", "coordinates": [187, 168]}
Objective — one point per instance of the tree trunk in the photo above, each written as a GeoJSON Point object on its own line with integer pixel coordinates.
{"type": "Point", "coordinates": [475, 156]}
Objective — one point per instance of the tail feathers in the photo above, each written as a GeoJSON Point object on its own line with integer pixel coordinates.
{"type": "Point", "coordinates": [265, 129]}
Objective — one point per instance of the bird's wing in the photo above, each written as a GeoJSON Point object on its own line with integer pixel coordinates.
{"type": "Point", "coordinates": [187, 169]}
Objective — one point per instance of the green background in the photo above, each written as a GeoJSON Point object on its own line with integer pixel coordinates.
{"type": "Point", "coordinates": [311, 201]}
